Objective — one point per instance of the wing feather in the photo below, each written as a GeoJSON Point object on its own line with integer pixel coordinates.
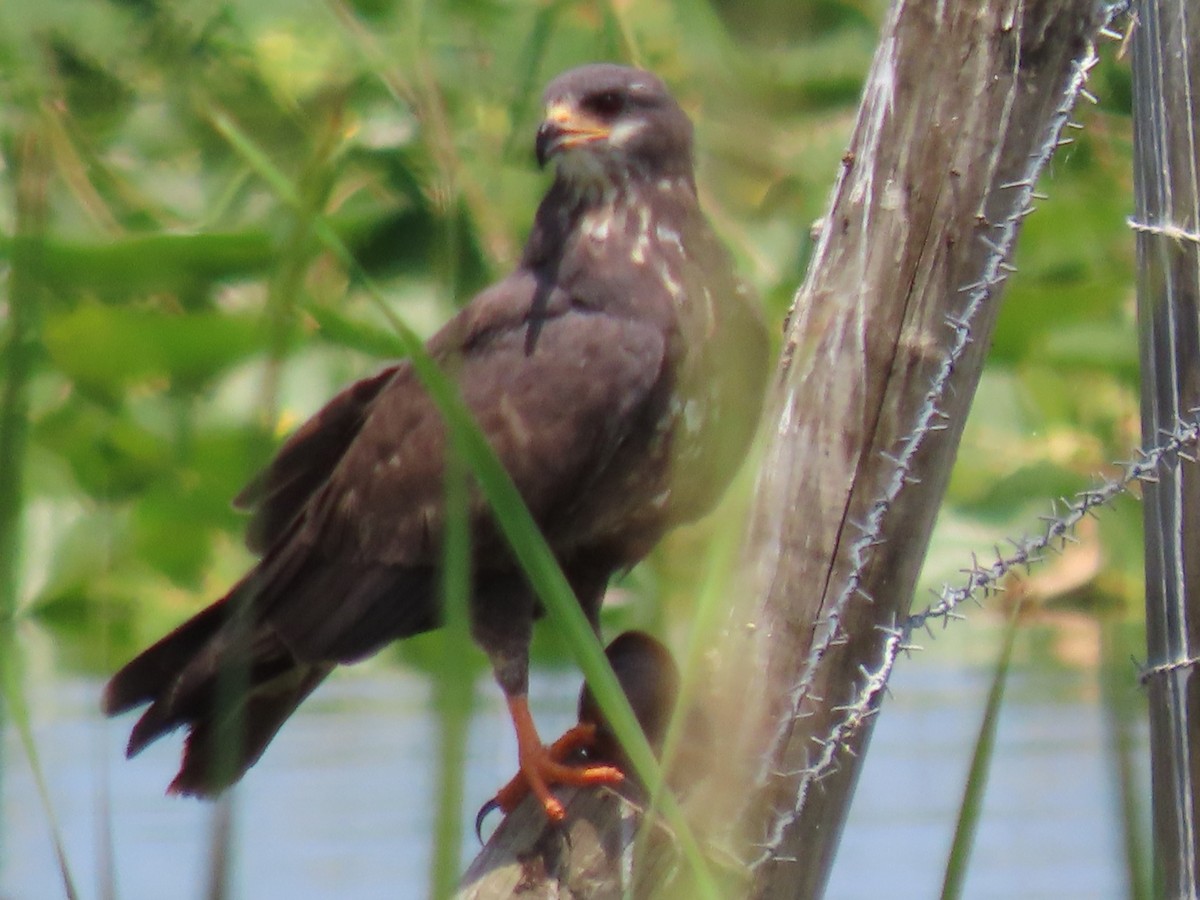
{"type": "Point", "coordinates": [557, 416]}
{"type": "Point", "coordinates": [304, 462]}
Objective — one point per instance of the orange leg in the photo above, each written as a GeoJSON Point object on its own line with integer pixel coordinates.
{"type": "Point", "coordinates": [543, 766]}
{"type": "Point", "coordinates": [577, 738]}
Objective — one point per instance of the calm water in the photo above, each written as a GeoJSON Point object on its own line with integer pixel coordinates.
{"type": "Point", "coordinates": [341, 806]}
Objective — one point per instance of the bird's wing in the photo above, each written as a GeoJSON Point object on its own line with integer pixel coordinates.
{"type": "Point", "coordinates": [554, 414]}
{"type": "Point", "coordinates": [279, 493]}
{"type": "Point", "coordinates": [358, 568]}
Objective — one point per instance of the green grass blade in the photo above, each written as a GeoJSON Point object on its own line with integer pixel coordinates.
{"type": "Point", "coordinates": [981, 761]}
{"type": "Point", "coordinates": [453, 693]}
{"type": "Point", "coordinates": [1124, 712]}
{"type": "Point", "coordinates": [514, 520]}
{"type": "Point", "coordinates": [29, 163]}
{"type": "Point", "coordinates": [532, 56]}
{"type": "Point", "coordinates": [221, 849]}
{"type": "Point", "coordinates": [17, 713]}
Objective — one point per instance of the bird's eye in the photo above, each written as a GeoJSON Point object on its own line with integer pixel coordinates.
{"type": "Point", "coordinates": [605, 104]}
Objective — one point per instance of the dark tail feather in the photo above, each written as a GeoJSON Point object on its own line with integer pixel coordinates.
{"type": "Point", "coordinates": [233, 673]}
{"type": "Point", "coordinates": [231, 686]}
{"type": "Point", "coordinates": [224, 741]}
{"type": "Point", "coordinates": [148, 675]}
{"type": "Point", "coordinates": [230, 681]}
{"type": "Point", "coordinates": [218, 681]}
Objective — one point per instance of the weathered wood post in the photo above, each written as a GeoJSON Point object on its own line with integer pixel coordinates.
{"type": "Point", "coordinates": [963, 107]}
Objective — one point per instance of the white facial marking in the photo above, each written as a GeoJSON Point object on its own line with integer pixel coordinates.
{"type": "Point", "coordinates": [623, 132]}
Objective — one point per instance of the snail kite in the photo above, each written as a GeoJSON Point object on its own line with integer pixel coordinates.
{"type": "Point", "coordinates": [618, 375]}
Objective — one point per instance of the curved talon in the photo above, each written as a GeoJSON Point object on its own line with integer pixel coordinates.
{"type": "Point", "coordinates": [484, 811]}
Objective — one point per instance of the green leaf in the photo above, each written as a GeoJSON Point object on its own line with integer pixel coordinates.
{"type": "Point", "coordinates": [1038, 483]}
{"type": "Point", "coordinates": [1107, 346]}
{"type": "Point", "coordinates": [356, 334]}
{"type": "Point", "coordinates": [146, 263]}
{"type": "Point", "coordinates": [110, 455]}
{"type": "Point", "coordinates": [178, 546]}
{"type": "Point", "coordinates": [112, 348]}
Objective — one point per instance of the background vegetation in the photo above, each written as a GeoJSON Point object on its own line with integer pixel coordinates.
{"type": "Point", "coordinates": [168, 313]}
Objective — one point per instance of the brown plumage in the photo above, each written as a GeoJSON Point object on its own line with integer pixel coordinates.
{"type": "Point", "coordinates": [617, 373]}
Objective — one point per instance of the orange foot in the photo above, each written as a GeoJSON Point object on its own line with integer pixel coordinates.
{"type": "Point", "coordinates": [543, 766]}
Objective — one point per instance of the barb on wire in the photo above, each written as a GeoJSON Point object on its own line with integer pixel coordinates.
{"type": "Point", "coordinates": [1177, 233]}
{"type": "Point", "coordinates": [1148, 672]}
{"type": "Point", "coordinates": [1059, 527]}
{"type": "Point", "coordinates": [1179, 444]}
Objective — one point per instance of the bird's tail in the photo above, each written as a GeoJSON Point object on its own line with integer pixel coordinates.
{"type": "Point", "coordinates": [141, 680]}
{"type": "Point", "coordinates": [231, 682]}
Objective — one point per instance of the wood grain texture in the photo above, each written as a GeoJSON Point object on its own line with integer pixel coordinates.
{"type": "Point", "coordinates": [963, 106]}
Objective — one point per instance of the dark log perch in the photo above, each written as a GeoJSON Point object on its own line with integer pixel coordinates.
{"type": "Point", "coordinates": [963, 107]}
{"type": "Point", "coordinates": [589, 857]}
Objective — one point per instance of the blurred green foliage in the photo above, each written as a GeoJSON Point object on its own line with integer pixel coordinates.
{"type": "Point", "coordinates": [179, 316]}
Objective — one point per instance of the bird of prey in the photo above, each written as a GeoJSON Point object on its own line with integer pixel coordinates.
{"type": "Point", "coordinates": [617, 373]}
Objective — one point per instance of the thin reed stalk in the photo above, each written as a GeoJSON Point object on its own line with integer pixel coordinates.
{"type": "Point", "coordinates": [1166, 119]}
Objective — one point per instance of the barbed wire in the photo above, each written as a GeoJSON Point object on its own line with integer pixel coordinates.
{"type": "Point", "coordinates": [1060, 525]}
{"type": "Point", "coordinates": [1175, 232]}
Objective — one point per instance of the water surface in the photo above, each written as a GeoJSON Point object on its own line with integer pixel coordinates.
{"type": "Point", "coordinates": [342, 803]}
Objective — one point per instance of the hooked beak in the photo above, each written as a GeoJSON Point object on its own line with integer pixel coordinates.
{"type": "Point", "coordinates": [563, 128]}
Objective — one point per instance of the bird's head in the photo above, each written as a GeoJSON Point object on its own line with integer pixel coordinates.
{"type": "Point", "coordinates": [608, 121]}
